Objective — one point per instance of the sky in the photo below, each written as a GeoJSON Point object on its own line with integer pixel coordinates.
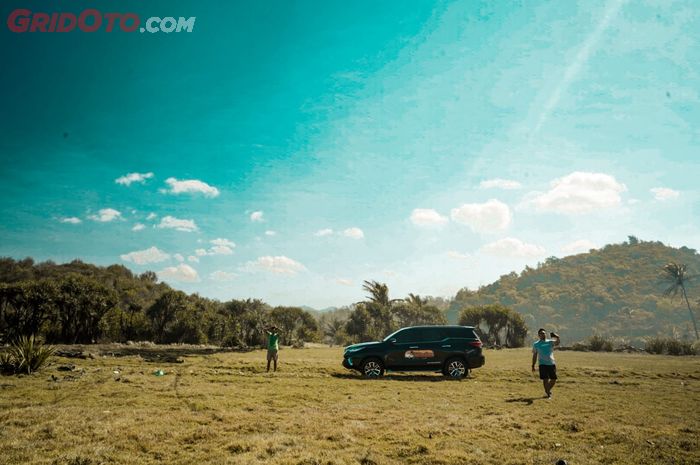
{"type": "Point", "coordinates": [290, 150]}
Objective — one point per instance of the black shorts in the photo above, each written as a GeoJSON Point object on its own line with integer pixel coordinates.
{"type": "Point", "coordinates": [548, 372]}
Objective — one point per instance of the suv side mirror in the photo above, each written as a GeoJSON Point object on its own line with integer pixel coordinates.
{"type": "Point", "coordinates": [393, 340]}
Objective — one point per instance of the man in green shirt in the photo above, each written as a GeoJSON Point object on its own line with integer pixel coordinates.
{"type": "Point", "coordinates": [272, 345]}
{"type": "Point", "coordinates": [543, 351]}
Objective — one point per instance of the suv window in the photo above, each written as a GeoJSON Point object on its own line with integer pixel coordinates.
{"type": "Point", "coordinates": [432, 334]}
{"type": "Point", "coordinates": [407, 335]}
{"type": "Point", "coordinates": [460, 333]}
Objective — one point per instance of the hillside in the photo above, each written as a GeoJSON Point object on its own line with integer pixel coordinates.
{"type": "Point", "coordinates": [614, 291]}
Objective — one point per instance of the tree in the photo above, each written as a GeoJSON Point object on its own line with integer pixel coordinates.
{"type": "Point", "coordinates": [372, 319]}
{"type": "Point", "coordinates": [25, 307]}
{"type": "Point", "coordinates": [378, 293]}
{"type": "Point", "coordinates": [81, 303]}
{"type": "Point", "coordinates": [295, 324]}
{"type": "Point", "coordinates": [379, 315]}
{"type": "Point", "coordinates": [414, 311]}
{"type": "Point", "coordinates": [496, 323]}
{"type": "Point", "coordinates": [675, 274]}
{"type": "Point", "coordinates": [163, 312]}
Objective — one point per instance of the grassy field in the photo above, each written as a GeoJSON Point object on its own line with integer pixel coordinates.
{"type": "Point", "coordinates": [223, 408]}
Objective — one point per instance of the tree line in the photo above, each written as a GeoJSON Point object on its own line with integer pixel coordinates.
{"type": "Point", "coordinates": [79, 303]}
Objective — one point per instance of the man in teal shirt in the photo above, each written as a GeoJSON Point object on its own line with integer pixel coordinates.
{"type": "Point", "coordinates": [272, 346]}
{"type": "Point", "coordinates": [543, 352]}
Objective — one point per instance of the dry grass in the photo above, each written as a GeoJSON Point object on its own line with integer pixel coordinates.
{"type": "Point", "coordinates": [223, 408]}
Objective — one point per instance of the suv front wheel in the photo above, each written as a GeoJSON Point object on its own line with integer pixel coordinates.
{"type": "Point", "coordinates": [372, 368]}
{"type": "Point", "coordinates": [455, 368]}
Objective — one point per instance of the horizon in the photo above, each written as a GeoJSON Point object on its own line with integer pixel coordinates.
{"type": "Point", "coordinates": [290, 152]}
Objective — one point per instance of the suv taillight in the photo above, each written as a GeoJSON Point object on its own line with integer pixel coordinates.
{"type": "Point", "coordinates": [476, 344]}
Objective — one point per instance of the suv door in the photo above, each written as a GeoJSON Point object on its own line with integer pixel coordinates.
{"type": "Point", "coordinates": [431, 351]}
{"type": "Point", "coordinates": [449, 344]}
{"type": "Point", "coordinates": [402, 352]}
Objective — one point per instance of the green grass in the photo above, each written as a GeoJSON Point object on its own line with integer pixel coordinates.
{"type": "Point", "coordinates": [608, 408]}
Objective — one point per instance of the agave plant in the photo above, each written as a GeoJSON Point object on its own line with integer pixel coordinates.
{"type": "Point", "coordinates": [28, 355]}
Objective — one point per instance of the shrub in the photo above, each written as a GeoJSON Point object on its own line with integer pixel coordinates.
{"type": "Point", "coordinates": [671, 346]}
{"type": "Point", "coordinates": [6, 365]}
{"type": "Point", "coordinates": [600, 343]}
{"type": "Point", "coordinates": [26, 355]}
{"type": "Point", "coordinates": [580, 346]}
{"type": "Point", "coordinates": [674, 346]}
{"type": "Point", "coordinates": [655, 345]}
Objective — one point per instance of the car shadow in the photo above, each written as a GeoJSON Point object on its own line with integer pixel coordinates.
{"type": "Point", "coordinates": [432, 378]}
{"type": "Point", "coordinates": [524, 400]}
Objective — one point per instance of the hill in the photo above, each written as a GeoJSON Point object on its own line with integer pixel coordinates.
{"type": "Point", "coordinates": [616, 291]}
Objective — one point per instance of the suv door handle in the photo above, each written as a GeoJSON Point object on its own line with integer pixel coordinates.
{"type": "Point", "coordinates": [447, 345]}
{"type": "Point", "coordinates": [413, 347]}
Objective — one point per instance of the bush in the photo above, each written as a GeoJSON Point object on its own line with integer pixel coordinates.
{"type": "Point", "coordinates": [6, 365]}
{"type": "Point", "coordinates": [26, 355]}
{"type": "Point", "coordinates": [598, 343]}
{"type": "Point", "coordinates": [671, 346]}
{"type": "Point", "coordinates": [674, 347]}
{"type": "Point", "coordinates": [655, 345]}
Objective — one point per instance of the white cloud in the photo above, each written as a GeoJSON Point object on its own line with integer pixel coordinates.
{"type": "Point", "coordinates": [458, 255]}
{"type": "Point", "coordinates": [579, 192]}
{"type": "Point", "coordinates": [190, 186]}
{"type": "Point", "coordinates": [256, 216]}
{"type": "Point", "coordinates": [138, 227]}
{"type": "Point", "coordinates": [511, 247]}
{"type": "Point", "coordinates": [344, 282]}
{"type": "Point", "coordinates": [498, 183]}
{"type": "Point", "coordinates": [181, 273]}
{"type": "Point", "coordinates": [664, 193]}
{"type": "Point", "coordinates": [270, 233]}
{"type": "Point", "coordinates": [222, 242]}
{"type": "Point", "coordinates": [427, 217]}
{"type": "Point", "coordinates": [633, 201]}
{"type": "Point", "coordinates": [220, 250]}
{"type": "Point", "coordinates": [193, 259]}
{"type": "Point", "coordinates": [219, 246]}
{"type": "Point", "coordinates": [170, 222]}
{"type": "Point", "coordinates": [355, 233]}
{"type": "Point", "coordinates": [179, 257]}
{"type": "Point", "coordinates": [133, 177]}
{"type": "Point", "coordinates": [222, 276]}
{"type": "Point", "coordinates": [143, 257]}
{"type": "Point", "coordinates": [323, 232]}
{"type": "Point", "coordinates": [579, 246]}
{"type": "Point", "coordinates": [151, 216]}
{"type": "Point", "coordinates": [106, 215]}
{"type": "Point", "coordinates": [71, 220]}
{"type": "Point", "coordinates": [279, 264]}
{"type": "Point", "coordinates": [490, 216]}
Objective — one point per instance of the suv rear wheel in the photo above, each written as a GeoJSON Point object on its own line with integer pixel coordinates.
{"type": "Point", "coordinates": [372, 368]}
{"type": "Point", "coordinates": [455, 368]}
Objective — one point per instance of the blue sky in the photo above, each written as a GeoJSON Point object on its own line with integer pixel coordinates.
{"type": "Point", "coordinates": [291, 150]}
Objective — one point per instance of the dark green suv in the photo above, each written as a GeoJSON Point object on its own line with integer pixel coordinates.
{"type": "Point", "coordinates": [453, 350]}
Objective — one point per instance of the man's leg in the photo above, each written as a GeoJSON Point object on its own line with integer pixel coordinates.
{"type": "Point", "coordinates": [275, 358]}
{"type": "Point", "coordinates": [545, 383]}
{"type": "Point", "coordinates": [268, 360]}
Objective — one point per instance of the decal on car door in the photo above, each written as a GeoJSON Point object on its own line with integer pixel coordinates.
{"type": "Point", "coordinates": [411, 354]}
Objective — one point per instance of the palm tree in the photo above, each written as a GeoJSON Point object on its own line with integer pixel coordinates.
{"type": "Point", "coordinates": [676, 276]}
{"type": "Point", "coordinates": [416, 300]}
{"type": "Point", "coordinates": [378, 293]}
